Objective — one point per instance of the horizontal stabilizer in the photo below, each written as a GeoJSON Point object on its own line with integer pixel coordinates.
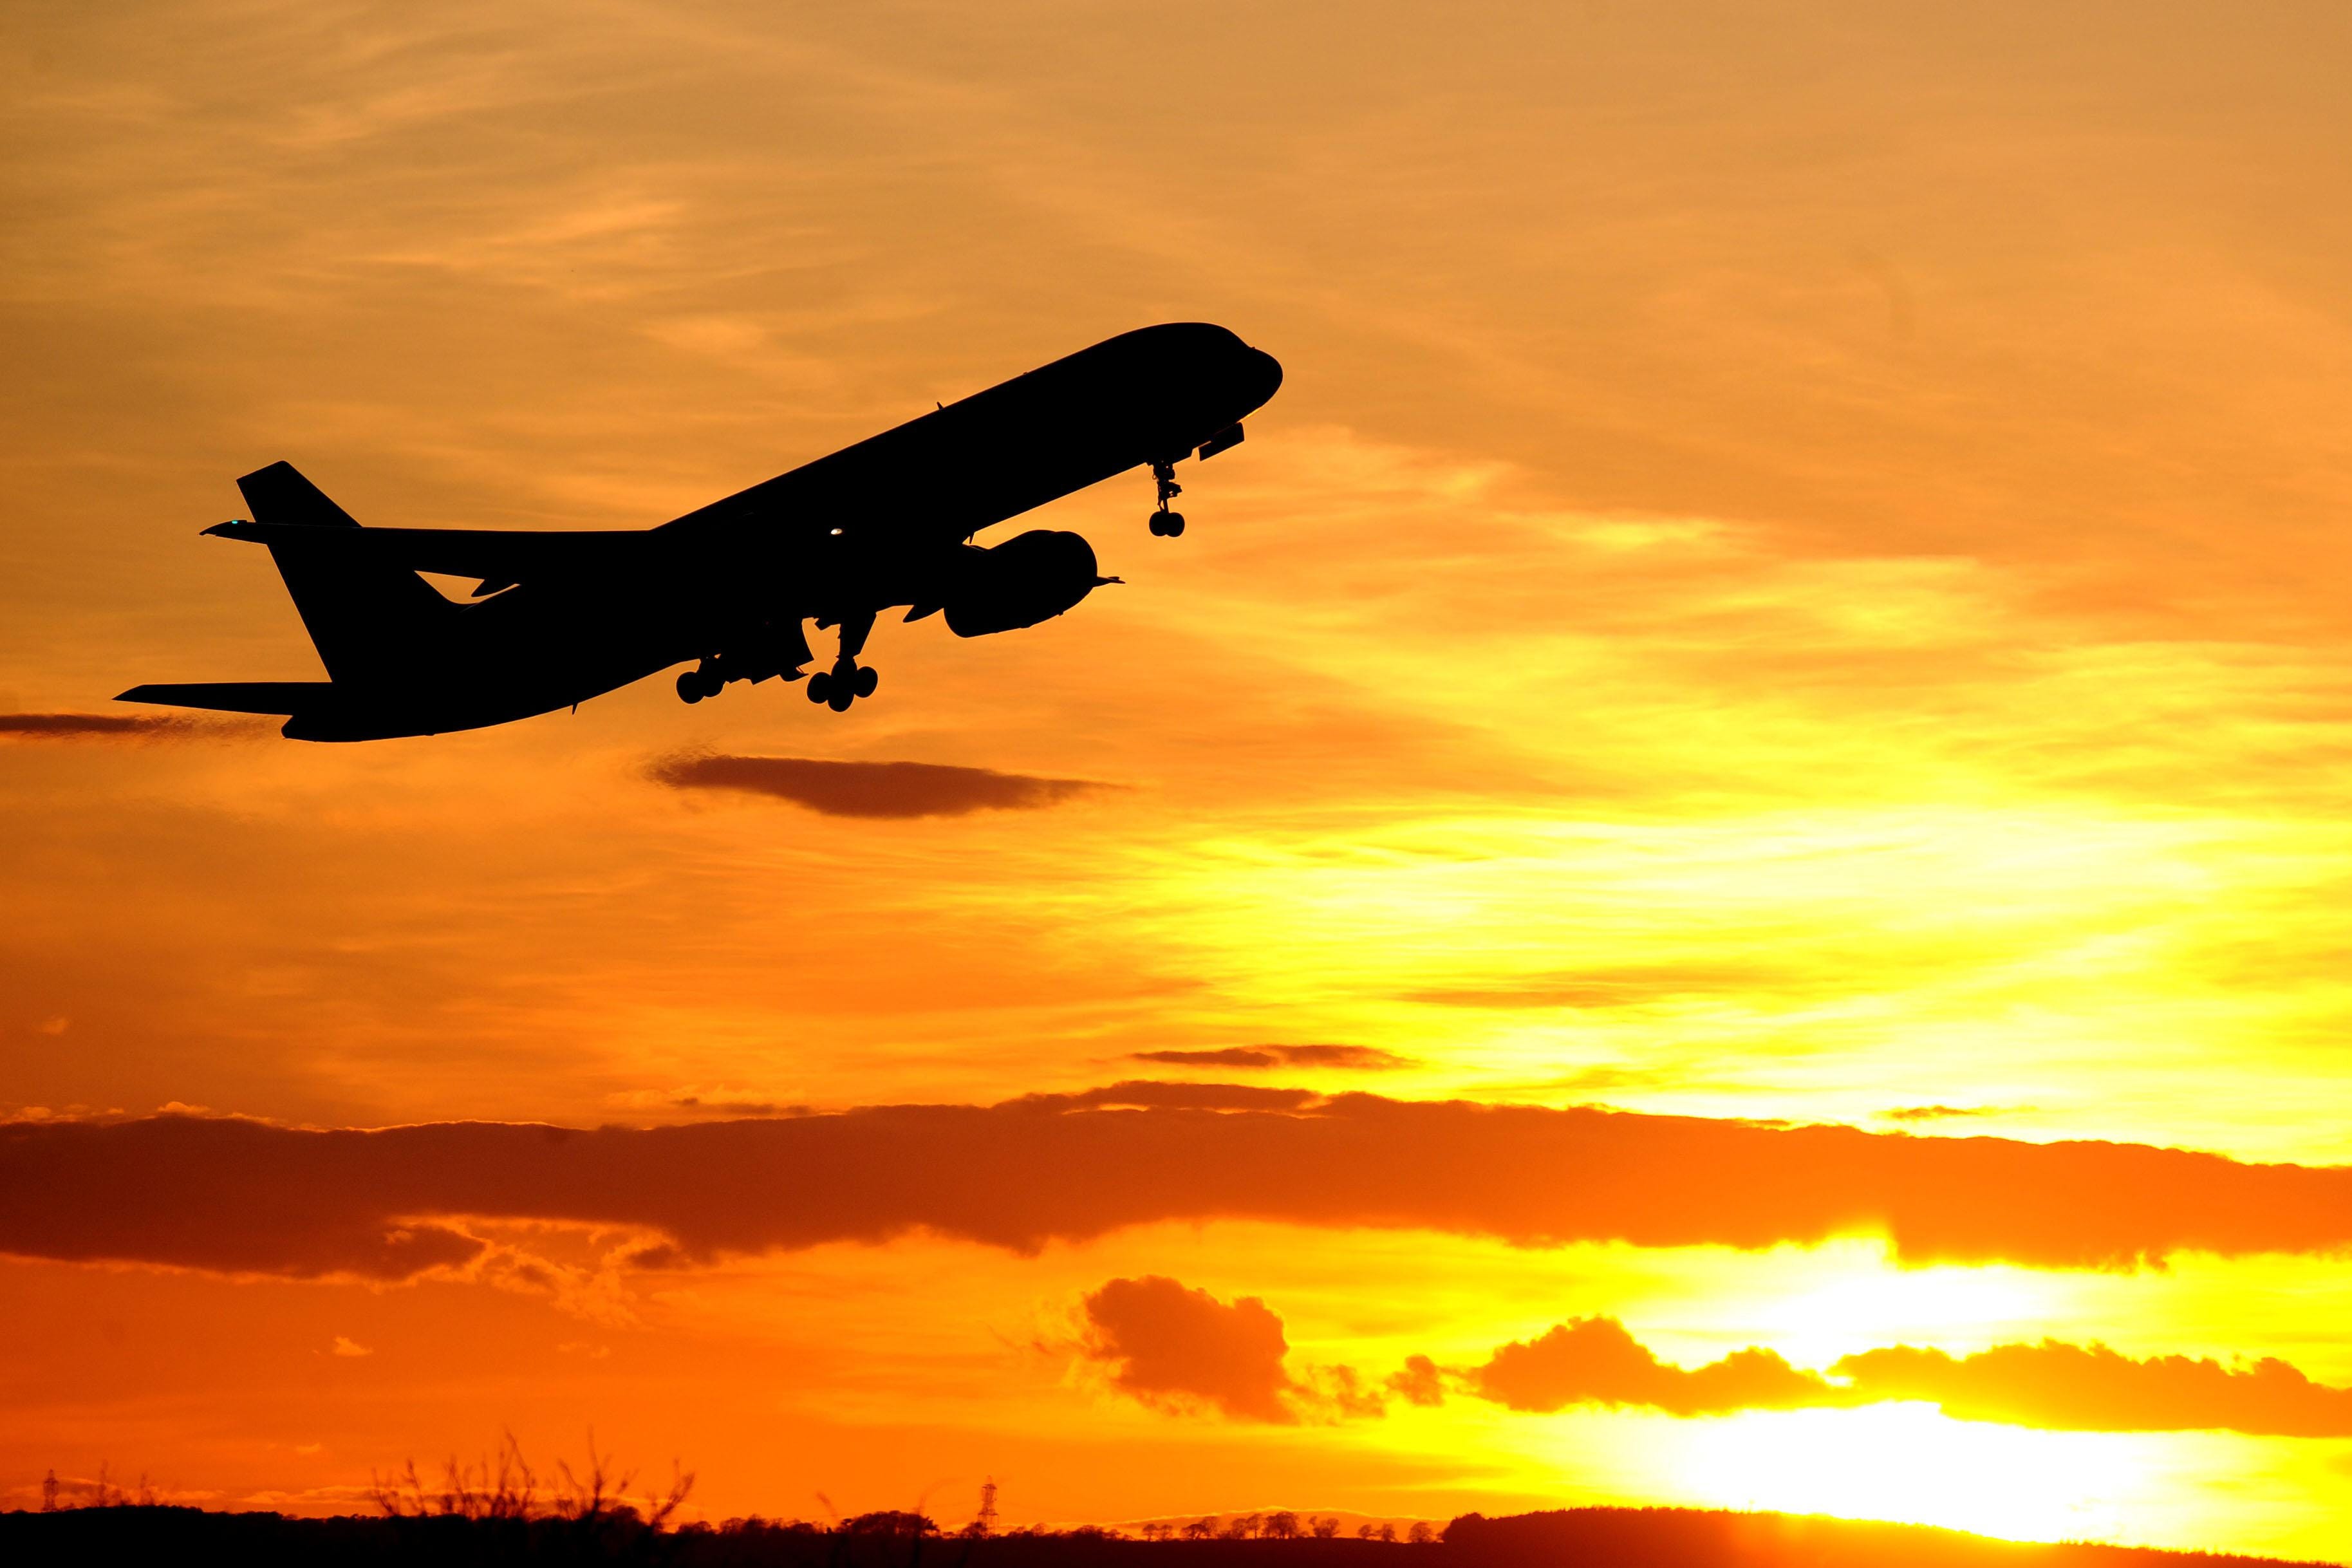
{"type": "Point", "coordinates": [287, 697]}
{"type": "Point", "coordinates": [498, 555]}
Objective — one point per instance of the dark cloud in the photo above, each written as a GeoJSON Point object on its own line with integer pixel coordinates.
{"type": "Point", "coordinates": [1173, 1347]}
{"type": "Point", "coordinates": [869, 789]}
{"type": "Point", "coordinates": [119, 727]}
{"type": "Point", "coordinates": [1362, 1057]}
{"type": "Point", "coordinates": [235, 1195]}
{"type": "Point", "coordinates": [1935, 1112]}
{"type": "Point", "coordinates": [1594, 1361]}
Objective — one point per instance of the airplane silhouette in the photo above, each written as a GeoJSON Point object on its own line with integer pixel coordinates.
{"type": "Point", "coordinates": [559, 617]}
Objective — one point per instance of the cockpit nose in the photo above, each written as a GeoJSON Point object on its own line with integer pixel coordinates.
{"type": "Point", "coordinates": [1265, 373]}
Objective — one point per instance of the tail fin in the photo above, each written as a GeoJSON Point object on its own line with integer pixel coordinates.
{"type": "Point", "coordinates": [366, 619]}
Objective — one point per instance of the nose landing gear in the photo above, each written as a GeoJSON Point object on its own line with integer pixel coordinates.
{"type": "Point", "coordinates": [1166, 524]}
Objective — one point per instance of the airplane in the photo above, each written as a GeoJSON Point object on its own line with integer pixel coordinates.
{"type": "Point", "coordinates": [559, 617]}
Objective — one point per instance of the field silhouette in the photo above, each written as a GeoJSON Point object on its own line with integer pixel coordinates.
{"type": "Point", "coordinates": [1570, 1538]}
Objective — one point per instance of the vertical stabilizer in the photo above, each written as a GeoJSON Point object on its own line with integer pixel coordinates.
{"type": "Point", "coordinates": [366, 620]}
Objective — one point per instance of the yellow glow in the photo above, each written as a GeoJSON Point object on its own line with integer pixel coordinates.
{"type": "Point", "coordinates": [1864, 1305]}
{"type": "Point", "coordinates": [1910, 1462]}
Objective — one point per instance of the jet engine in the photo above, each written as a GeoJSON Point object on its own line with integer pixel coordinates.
{"type": "Point", "coordinates": [1031, 578]}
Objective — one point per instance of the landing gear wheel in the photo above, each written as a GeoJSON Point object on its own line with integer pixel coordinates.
{"type": "Point", "coordinates": [868, 677]}
{"type": "Point", "coordinates": [689, 687]}
{"type": "Point", "coordinates": [1166, 524]}
{"type": "Point", "coordinates": [820, 687]}
{"type": "Point", "coordinates": [839, 695]}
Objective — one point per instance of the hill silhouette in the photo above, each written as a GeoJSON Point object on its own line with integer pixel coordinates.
{"type": "Point", "coordinates": [1581, 1537]}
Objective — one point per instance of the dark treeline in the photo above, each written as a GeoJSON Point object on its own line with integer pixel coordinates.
{"type": "Point", "coordinates": [1573, 1538]}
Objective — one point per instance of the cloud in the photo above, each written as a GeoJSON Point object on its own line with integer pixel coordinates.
{"type": "Point", "coordinates": [1631, 985]}
{"type": "Point", "coordinates": [345, 1346]}
{"type": "Point", "coordinates": [696, 1100]}
{"type": "Point", "coordinates": [119, 727]}
{"type": "Point", "coordinates": [869, 789]}
{"type": "Point", "coordinates": [2092, 1388]}
{"type": "Point", "coordinates": [1421, 1383]}
{"type": "Point", "coordinates": [1179, 1349]}
{"type": "Point", "coordinates": [1936, 1112]}
{"type": "Point", "coordinates": [1145, 1094]}
{"type": "Point", "coordinates": [1364, 1058]}
{"type": "Point", "coordinates": [1594, 1361]}
{"type": "Point", "coordinates": [1173, 1347]}
{"type": "Point", "coordinates": [2052, 1385]}
{"type": "Point", "coordinates": [242, 1196]}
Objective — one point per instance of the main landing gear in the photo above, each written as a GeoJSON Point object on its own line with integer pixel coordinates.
{"type": "Point", "coordinates": [848, 680]}
{"type": "Point", "coordinates": [1166, 524]}
{"type": "Point", "coordinates": [843, 684]}
{"type": "Point", "coordinates": [758, 651]}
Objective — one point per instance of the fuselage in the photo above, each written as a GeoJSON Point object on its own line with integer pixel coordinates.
{"type": "Point", "coordinates": [872, 526]}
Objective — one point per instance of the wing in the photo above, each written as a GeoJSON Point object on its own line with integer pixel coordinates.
{"type": "Point", "coordinates": [500, 558]}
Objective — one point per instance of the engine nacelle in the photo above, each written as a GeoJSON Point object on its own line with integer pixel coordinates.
{"type": "Point", "coordinates": [1031, 578]}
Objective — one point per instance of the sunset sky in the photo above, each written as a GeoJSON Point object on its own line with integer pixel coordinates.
{"type": "Point", "coordinates": [1717, 874]}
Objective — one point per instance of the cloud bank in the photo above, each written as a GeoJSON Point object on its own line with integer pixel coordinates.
{"type": "Point", "coordinates": [2052, 1385]}
{"type": "Point", "coordinates": [2092, 1388]}
{"type": "Point", "coordinates": [1180, 1350]}
{"type": "Point", "coordinates": [868, 789]}
{"type": "Point", "coordinates": [239, 1196]}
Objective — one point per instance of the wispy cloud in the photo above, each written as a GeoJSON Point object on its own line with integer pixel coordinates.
{"type": "Point", "coordinates": [122, 727]}
{"type": "Point", "coordinates": [1368, 1059]}
{"type": "Point", "coordinates": [1938, 1112]}
{"type": "Point", "coordinates": [869, 789]}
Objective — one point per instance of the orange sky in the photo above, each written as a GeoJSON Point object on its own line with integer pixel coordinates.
{"type": "Point", "coordinates": [1796, 577]}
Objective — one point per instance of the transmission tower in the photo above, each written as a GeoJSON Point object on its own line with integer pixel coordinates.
{"type": "Point", "coordinates": [984, 1524]}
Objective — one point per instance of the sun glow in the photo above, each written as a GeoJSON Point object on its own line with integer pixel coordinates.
{"type": "Point", "coordinates": [1910, 1462]}
{"type": "Point", "coordinates": [1870, 1303]}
